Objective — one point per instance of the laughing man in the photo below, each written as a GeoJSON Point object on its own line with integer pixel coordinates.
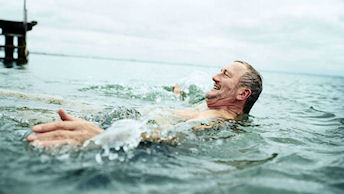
{"type": "Point", "coordinates": [236, 88]}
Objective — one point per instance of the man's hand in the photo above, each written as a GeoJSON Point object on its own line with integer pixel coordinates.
{"type": "Point", "coordinates": [70, 130]}
{"type": "Point", "coordinates": [179, 92]}
{"type": "Point", "coordinates": [176, 89]}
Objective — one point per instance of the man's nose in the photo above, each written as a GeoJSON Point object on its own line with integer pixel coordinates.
{"type": "Point", "coordinates": [216, 77]}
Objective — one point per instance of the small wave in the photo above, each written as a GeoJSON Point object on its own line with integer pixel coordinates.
{"type": "Point", "coordinates": [242, 164]}
{"type": "Point", "coordinates": [315, 113]}
{"type": "Point", "coordinates": [296, 159]}
{"type": "Point", "coordinates": [192, 93]}
{"type": "Point", "coordinates": [146, 93]}
{"type": "Point", "coordinates": [286, 140]}
{"type": "Point", "coordinates": [316, 117]}
{"type": "Point", "coordinates": [58, 100]}
{"type": "Point", "coordinates": [105, 87]}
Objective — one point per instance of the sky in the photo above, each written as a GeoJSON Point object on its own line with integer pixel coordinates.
{"type": "Point", "coordinates": [285, 35]}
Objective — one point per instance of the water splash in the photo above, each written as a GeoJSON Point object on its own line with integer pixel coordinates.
{"type": "Point", "coordinates": [106, 119]}
{"type": "Point", "coordinates": [192, 93]}
{"type": "Point", "coordinates": [122, 135]}
{"type": "Point", "coordinates": [140, 92]}
{"type": "Point", "coordinates": [200, 79]}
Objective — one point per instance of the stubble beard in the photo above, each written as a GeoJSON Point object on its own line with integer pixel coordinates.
{"type": "Point", "coordinates": [213, 97]}
{"type": "Point", "coordinates": [210, 95]}
{"type": "Point", "coordinates": [219, 98]}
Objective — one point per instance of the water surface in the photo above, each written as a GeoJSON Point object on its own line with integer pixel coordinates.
{"type": "Point", "coordinates": [291, 143]}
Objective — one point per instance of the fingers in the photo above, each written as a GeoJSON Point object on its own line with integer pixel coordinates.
{"type": "Point", "coordinates": [54, 138]}
{"type": "Point", "coordinates": [65, 116]}
{"type": "Point", "coordinates": [52, 135]}
{"type": "Point", "coordinates": [55, 142]}
{"type": "Point", "coordinates": [59, 125]}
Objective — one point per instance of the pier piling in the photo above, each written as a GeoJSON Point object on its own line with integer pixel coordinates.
{"type": "Point", "coordinates": [12, 30]}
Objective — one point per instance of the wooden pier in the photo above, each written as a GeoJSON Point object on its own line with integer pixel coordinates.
{"type": "Point", "coordinates": [12, 30]}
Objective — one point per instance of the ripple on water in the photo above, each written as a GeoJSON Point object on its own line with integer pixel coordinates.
{"type": "Point", "coordinates": [295, 159]}
{"type": "Point", "coordinates": [312, 112]}
{"type": "Point", "coordinates": [242, 164]}
{"type": "Point", "coordinates": [287, 140]}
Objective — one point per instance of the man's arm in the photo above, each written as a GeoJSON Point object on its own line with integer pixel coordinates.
{"type": "Point", "coordinates": [74, 131]}
{"type": "Point", "coordinates": [70, 130]}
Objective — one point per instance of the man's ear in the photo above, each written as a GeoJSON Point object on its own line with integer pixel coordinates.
{"type": "Point", "coordinates": [243, 93]}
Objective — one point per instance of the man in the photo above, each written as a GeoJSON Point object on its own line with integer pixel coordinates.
{"type": "Point", "coordinates": [236, 89]}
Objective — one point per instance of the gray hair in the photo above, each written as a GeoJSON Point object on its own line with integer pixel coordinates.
{"type": "Point", "coordinates": [252, 80]}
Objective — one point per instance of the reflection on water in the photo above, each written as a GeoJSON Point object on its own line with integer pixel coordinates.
{"type": "Point", "coordinates": [291, 143]}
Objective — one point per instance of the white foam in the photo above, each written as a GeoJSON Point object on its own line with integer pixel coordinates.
{"type": "Point", "coordinates": [123, 134]}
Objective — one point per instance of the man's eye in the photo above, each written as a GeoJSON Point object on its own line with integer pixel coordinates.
{"type": "Point", "coordinates": [226, 73]}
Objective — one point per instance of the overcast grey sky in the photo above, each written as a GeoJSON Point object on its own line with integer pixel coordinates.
{"type": "Point", "coordinates": [278, 35]}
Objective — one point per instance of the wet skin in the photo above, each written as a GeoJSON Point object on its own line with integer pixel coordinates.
{"type": "Point", "coordinates": [226, 100]}
{"type": "Point", "coordinates": [225, 91]}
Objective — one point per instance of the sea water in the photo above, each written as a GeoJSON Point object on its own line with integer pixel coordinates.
{"type": "Point", "coordinates": [292, 142]}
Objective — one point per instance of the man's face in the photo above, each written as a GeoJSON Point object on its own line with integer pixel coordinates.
{"type": "Point", "coordinates": [225, 90]}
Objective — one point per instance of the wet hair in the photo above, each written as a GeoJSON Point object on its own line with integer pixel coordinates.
{"type": "Point", "coordinates": [252, 80]}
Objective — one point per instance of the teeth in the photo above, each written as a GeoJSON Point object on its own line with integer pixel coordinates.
{"type": "Point", "coordinates": [216, 87]}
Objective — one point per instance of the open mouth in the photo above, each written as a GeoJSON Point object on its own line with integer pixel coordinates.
{"type": "Point", "coordinates": [216, 87]}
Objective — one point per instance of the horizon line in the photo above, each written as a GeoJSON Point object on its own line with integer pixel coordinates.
{"type": "Point", "coordinates": [136, 60]}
